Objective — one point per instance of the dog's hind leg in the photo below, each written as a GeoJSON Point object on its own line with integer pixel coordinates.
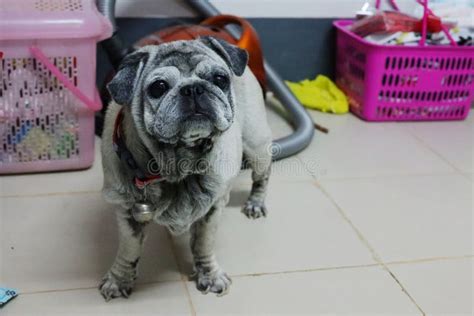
{"type": "Point", "coordinates": [120, 279]}
{"type": "Point", "coordinates": [259, 159]}
{"type": "Point", "coordinates": [207, 273]}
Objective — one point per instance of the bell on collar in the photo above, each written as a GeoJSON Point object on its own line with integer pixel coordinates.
{"type": "Point", "coordinates": [142, 212]}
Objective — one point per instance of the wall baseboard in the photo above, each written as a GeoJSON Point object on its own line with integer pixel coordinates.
{"type": "Point", "coordinates": [293, 58]}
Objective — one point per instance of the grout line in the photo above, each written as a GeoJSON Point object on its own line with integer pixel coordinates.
{"type": "Point", "coordinates": [56, 290]}
{"type": "Point", "coordinates": [371, 177]}
{"type": "Point", "coordinates": [346, 218]}
{"type": "Point", "coordinates": [375, 255]}
{"type": "Point", "coordinates": [438, 154]}
{"type": "Point", "coordinates": [467, 176]}
{"type": "Point", "coordinates": [50, 194]}
{"type": "Point", "coordinates": [258, 274]}
{"type": "Point", "coordinates": [358, 266]}
{"type": "Point", "coordinates": [434, 151]}
{"type": "Point", "coordinates": [182, 274]}
{"type": "Point", "coordinates": [430, 259]}
{"type": "Point", "coordinates": [389, 176]}
{"type": "Point", "coordinates": [403, 288]}
{"type": "Point", "coordinates": [91, 287]}
{"type": "Point", "coordinates": [249, 182]}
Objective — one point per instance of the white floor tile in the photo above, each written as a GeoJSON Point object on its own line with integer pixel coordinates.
{"type": "Point", "coordinates": [452, 140]}
{"type": "Point", "coordinates": [290, 169]}
{"type": "Point", "coordinates": [69, 241]}
{"type": "Point", "coordinates": [57, 182]}
{"type": "Point", "coordinates": [303, 230]}
{"type": "Point", "coordinates": [53, 237]}
{"type": "Point", "coordinates": [470, 176]}
{"type": "Point", "coordinates": [166, 298]}
{"type": "Point", "coordinates": [286, 170]}
{"type": "Point", "coordinates": [361, 291]}
{"type": "Point", "coordinates": [354, 148]}
{"type": "Point", "coordinates": [440, 287]}
{"type": "Point", "coordinates": [409, 217]}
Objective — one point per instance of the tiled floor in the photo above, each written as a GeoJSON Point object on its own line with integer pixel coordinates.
{"type": "Point", "coordinates": [370, 219]}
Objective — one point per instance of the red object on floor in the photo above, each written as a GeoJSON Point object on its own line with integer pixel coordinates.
{"type": "Point", "coordinates": [215, 27]}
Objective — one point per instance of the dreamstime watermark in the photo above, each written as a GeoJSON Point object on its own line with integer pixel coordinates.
{"type": "Point", "coordinates": [290, 167]}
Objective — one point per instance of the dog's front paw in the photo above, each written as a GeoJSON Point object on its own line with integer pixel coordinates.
{"type": "Point", "coordinates": [215, 282]}
{"type": "Point", "coordinates": [111, 287]}
{"type": "Point", "coordinates": [254, 209]}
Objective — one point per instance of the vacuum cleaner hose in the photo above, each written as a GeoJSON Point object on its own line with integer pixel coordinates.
{"type": "Point", "coordinates": [300, 119]}
{"type": "Point", "coordinates": [302, 122]}
{"type": "Point", "coordinates": [107, 8]}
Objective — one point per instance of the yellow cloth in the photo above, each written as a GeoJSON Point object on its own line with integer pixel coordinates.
{"type": "Point", "coordinates": [320, 94]}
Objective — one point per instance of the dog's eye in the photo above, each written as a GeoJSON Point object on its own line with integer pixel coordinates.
{"type": "Point", "coordinates": [221, 81]}
{"type": "Point", "coordinates": [158, 88]}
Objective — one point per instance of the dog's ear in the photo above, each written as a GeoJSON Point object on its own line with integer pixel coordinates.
{"type": "Point", "coordinates": [122, 86]}
{"type": "Point", "coordinates": [234, 56]}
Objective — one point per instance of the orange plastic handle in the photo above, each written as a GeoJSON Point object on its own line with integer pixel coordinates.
{"type": "Point", "coordinates": [248, 40]}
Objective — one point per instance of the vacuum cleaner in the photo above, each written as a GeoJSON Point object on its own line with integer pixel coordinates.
{"type": "Point", "coordinates": [217, 25]}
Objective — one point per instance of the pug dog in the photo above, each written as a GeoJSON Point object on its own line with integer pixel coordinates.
{"type": "Point", "coordinates": [188, 112]}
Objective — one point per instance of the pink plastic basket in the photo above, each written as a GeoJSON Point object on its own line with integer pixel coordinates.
{"type": "Point", "coordinates": [47, 83]}
{"type": "Point", "coordinates": [404, 83]}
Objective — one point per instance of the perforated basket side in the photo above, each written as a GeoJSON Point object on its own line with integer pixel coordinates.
{"type": "Point", "coordinates": [351, 70]}
{"type": "Point", "coordinates": [44, 6]}
{"type": "Point", "coordinates": [400, 83]}
{"type": "Point", "coordinates": [39, 117]}
{"type": "Point", "coordinates": [436, 86]}
{"type": "Point", "coordinates": [58, 5]}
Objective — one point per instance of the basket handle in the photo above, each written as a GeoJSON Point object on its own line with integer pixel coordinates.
{"type": "Point", "coordinates": [426, 12]}
{"type": "Point", "coordinates": [424, 23]}
{"type": "Point", "coordinates": [424, 26]}
{"type": "Point", "coordinates": [89, 103]}
{"type": "Point", "coordinates": [392, 3]}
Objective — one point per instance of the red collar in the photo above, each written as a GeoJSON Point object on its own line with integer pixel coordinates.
{"type": "Point", "coordinates": [141, 178]}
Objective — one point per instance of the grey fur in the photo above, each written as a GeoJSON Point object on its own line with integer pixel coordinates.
{"type": "Point", "coordinates": [236, 58]}
{"type": "Point", "coordinates": [164, 131]}
{"type": "Point", "coordinates": [120, 279]}
{"type": "Point", "coordinates": [208, 275]}
{"type": "Point", "coordinates": [255, 205]}
{"type": "Point", "coordinates": [122, 86]}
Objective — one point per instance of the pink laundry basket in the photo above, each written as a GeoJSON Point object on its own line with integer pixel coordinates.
{"type": "Point", "coordinates": [404, 83]}
{"type": "Point", "coordinates": [47, 83]}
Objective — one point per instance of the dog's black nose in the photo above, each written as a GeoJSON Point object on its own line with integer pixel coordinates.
{"type": "Point", "coordinates": [192, 90]}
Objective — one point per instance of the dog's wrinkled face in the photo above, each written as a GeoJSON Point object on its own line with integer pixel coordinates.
{"type": "Point", "coordinates": [180, 92]}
